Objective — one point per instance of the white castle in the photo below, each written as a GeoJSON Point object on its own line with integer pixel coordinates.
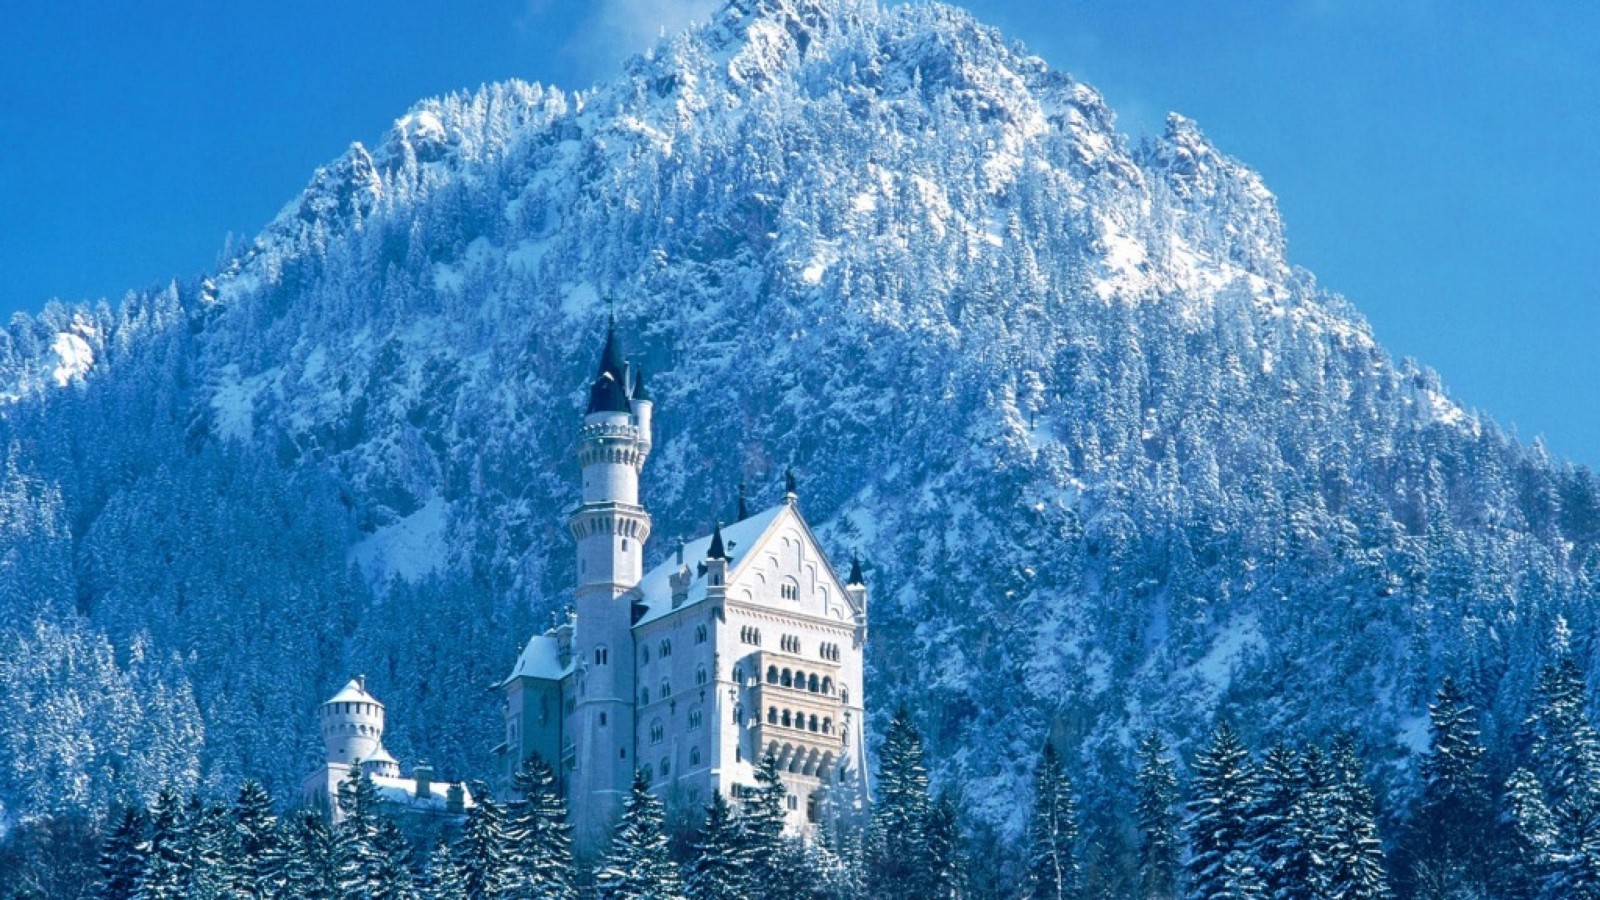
{"type": "Point", "coordinates": [351, 722]}
{"type": "Point", "coordinates": [743, 643]}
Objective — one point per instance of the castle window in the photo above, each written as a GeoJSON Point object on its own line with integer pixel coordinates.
{"type": "Point", "coordinates": [812, 684]}
{"type": "Point", "coordinates": [666, 767]}
{"type": "Point", "coordinates": [694, 718]}
{"type": "Point", "coordinates": [602, 720]}
{"type": "Point", "coordinates": [772, 715]}
{"type": "Point", "coordinates": [788, 720]}
{"type": "Point", "coordinates": [622, 753]}
{"type": "Point", "coordinates": [772, 674]}
{"type": "Point", "coordinates": [811, 724]}
{"type": "Point", "coordinates": [844, 695]}
{"type": "Point", "coordinates": [602, 656]}
{"type": "Point", "coordinates": [827, 726]}
{"type": "Point", "coordinates": [812, 812]}
{"type": "Point", "coordinates": [694, 756]}
{"type": "Point", "coordinates": [789, 591]}
{"type": "Point", "coordinates": [700, 675]}
{"type": "Point", "coordinates": [644, 696]}
{"type": "Point", "coordinates": [700, 633]}
{"type": "Point", "coordinates": [794, 802]}
{"type": "Point", "coordinates": [827, 685]}
{"type": "Point", "coordinates": [666, 649]}
{"type": "Point", "coordinates": [738, 674]}
{"type": "Point", "coordinates": [649, 775]}
{"type": "Point", "coordinates": [658, 732]}
{"type": "Point", "coordinates": [787, 680]}
{"type": "Point", "coordinates": [624, 545]}
{"type": "Point", "coordinates": [750, 635]}
{"type": "Point", "coordinates": [644, 654]}
{"type": "Point", "coordinates": [666, 689]}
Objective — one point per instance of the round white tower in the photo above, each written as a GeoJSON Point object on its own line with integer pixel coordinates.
{"type": "Point", "coordinates": [352, 730]}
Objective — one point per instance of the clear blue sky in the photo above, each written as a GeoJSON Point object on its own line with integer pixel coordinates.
{"type": "Point", "coordinates": [1438, 162]}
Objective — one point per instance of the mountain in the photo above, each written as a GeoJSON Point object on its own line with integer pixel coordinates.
{"type": "Point", "coordinates": [1112, 460]}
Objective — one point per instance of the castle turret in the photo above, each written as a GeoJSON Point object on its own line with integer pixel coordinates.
{"type": "Point", "coordinates": [610, 527]}
{"type": "Point", "coordinates": [352, 730]}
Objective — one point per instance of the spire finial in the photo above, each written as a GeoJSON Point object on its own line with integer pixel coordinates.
{"type": "Point", "coordinates": [680, 551]}
{"type": "Point", "coordinates": [716, 551]}
{"type": "Point", "coordinates": [790, 493]}
{"type": "Point", "coordinates": [855, 572]}
{"type": "Point", "coordinates": [744, 510]}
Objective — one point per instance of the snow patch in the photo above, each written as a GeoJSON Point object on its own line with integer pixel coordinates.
{"type": "Point", "coordinates": [407, 549]}
{"type": "Point", "coordinates": [75, 355]}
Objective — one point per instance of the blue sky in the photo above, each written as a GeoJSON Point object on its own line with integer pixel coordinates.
{"type": "Point", "coordinates": [1437, 162]}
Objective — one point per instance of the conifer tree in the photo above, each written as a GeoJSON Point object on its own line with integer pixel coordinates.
{"type": "Point", "coordinates": [1452, 824]}
{"type": "Point", "coordinates": [394, 879]}
{"type": "Point", "coordinates": [481, 850]}
{"type": "Point", "coordinates": [947, 879]}
{"type": "Point", "coordinates": [439, 878]}
{"type": "Point", "coordinates": [1354, 854]}
{"type": "Point", "coordinates": [357, 858]}
{"type": "Point", "coordinates": [1565, 749]}
{"type": "Point", "coordinates": [1276, 839]}
{"type": "Point", "coordinates": [539, 841]}
{"type": "Point", "coordinates": [639, 866]}
{"type": "Point", "coordinates": [257, 858]}
{"type": "Point", "coordinates": [897, 852]}
{"type": "Point", "coordinates": [761, 820]}
{"type": "Point", "coordinates": [1157, 817]}
{"type": "Point", "coordinates": [1052, 866]}
{"type": "Point", "coordinates": [162, 876]}
{"type": "Point", "coordinates": [1221, 864]}
{"type": "Point", "coordinates": [717, 869]}
{"type": "Point", "coordinates": [310, 865]}
{"type": "Point", "coordinates": [1532, 836]}
{"type": "Point", "coordinates": [122, 857]}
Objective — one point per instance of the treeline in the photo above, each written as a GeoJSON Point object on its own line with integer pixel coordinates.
{"type": "Point", "coordinates": [1289, 823]}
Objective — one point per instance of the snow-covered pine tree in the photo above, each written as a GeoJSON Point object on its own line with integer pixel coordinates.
{"type": "Point", "coordinates": [947, 879]}
{"type": "Point", "coordinates": [1354, 854]}
{"type": "Point", "coordinates": [1222, 797]}
{"type": "Point", "coordinates": [1052, 865]}
{"type": "Point", "coordinates": [1531, 832]}
{"type": "Point", "coordinates": [1564, 747]}
{"type": "Point", "coordinates": [639, 866]}
{"type": "Point", "coordinates": [123, 854]}
{"type": "Point", "coordinates": [1452, 825]}
{"type": "Point", "coordinates": [357, 858]}
{"type": "Point", "coordinates": [897, 851]}
{"type": "Point", "coordinates": [1277, 841]}
{"type": "Point", "coordinates": [718, 865]}
{"type": "Point", "coordinates": [481, 850]}
{"type": "Point", "coordinates": [539, 841]}
{"type": "Point", "coordinates": [761, 820]}
{"type": "Point", "coordinates": [310, 861]}
{"type": "Point", "coordinates": [395, 880]}
{"type": "Point", "coordinates": [1157, 816]}
{"type": "Point", "coordinates": [162, 877]}
{"type": "Point", "coordinates": [439, 878]}
{"type": "Point", "coordinates": [206, 839]}
{"type": "Point", "coordinates": [253, 868]}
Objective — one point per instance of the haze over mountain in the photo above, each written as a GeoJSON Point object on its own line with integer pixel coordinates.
{"type": "Point", "coordinates": [1113, 461]}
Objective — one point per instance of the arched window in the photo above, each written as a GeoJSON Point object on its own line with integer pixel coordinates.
{"type": "Point", "coordinates": [695, 718]}
{"type": "Point", "coordinates": [644, 696]}
{"type": "Point", "coordinates": [844, 695]}
{"type": "Point", "coordinates": [738, 674]}
{"type": "Point", "coordinates": [666, 649]}
{"type": "Point", "coordinates": [666, 689]}
{"type": "Point", "coordinates": [644, 653]}
{"type": "Point", "coordinates": [812, 684]}
{"type": "Point", "coordinates": [666, 767]}
{"type": "Point", "coordinates": [658, 732]}
{"type": "Point", "coordinates": [694, 756]}
{"type": "Point", "coordinates": [772, 715]}
{"type": "Point", "coordinates": [700, 634]}
{"type": "Point", "coordinates": [787, 679]}
{"type": "Point", "coordinates": [827, 685]}
{"type": "Point", "coordinates": [602, 656]}
{"type": "Point", "coordinates": [811, 724]}
{"type": "Point", "coordinates": [788, 720]}
{"type": "Point", "coordinates": [772, 674]}
{"type": "Point", "coordinates": [700, 675]}
{"type": "Point", "coordinates": [827, 726]}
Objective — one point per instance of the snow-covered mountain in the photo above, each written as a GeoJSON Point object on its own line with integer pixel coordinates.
{"type": "Point", "coordinates": [1114, 462]}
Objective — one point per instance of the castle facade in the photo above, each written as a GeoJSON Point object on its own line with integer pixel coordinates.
{"type": "Point", "coordinates": [742, 643]}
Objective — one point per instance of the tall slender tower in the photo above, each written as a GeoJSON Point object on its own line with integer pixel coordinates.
{"type": "Point", "coordinates": [610, 527]}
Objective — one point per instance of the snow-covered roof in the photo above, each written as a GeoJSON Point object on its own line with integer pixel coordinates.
{"type": "Point", "coordinates": [740, 537]}
{"type": "Point", "coordinates": [403, 792]}
{"type": "Point", "coordinates": [541, 658]}
{"type": "Point", "coordinates": [352, 693]}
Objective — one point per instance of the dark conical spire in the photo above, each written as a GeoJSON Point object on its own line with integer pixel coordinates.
{"type": "Point", "coordinates": [744, 510]}
{"type": "Point", "coordinates": [640, 392]}
{"type": "Point", "coordinates": [716, 551]}
{"type": "Point", "coordinates": [790, 493]}
{"type": "Point", "coordinates": [855, 572]}
{"type": "Point", "coordinates": [609, 392]}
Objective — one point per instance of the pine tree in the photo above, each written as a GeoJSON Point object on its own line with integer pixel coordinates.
{"type": "Point", "coordinates": [1052, 865]}
{"type": "Point", "coordinates": [1223, 795]}
{"type": "Point", "coordinates": [1276, 840]}
{"type": "Point", "coordinates": [481, 851]}
{"type": "Point", "coordinates": [1355, 854]}
{"type": "Point", "coordinates": [1157, 817]}
{"type": "Point", "coordinates": [122, 857]}
{"type": "Point", "coordinates": [440, 880]}
{"type": "Point", "coordinates": [1532, 836]}
{"type": "Point", "coordinates": [357, 858]}
{"type": "Point", "coordinates": [310, 859]}
{"type": "Point", "coordinates": [761, 819]}
{"type": "Point", "coordinates": [1452, 824]}
{"type": "Point", "coordinates": [253, 870]}
{"type": "Point", "coordinates": [162, 877]}
{"type": "Point", "coordinates": [539, 841]}
{"type": "Point", "coordinates": [394, 879]}
{"type": "Point", "coordinates": [717, 869]}
{"type": "Point", "coordinates": [206, 841]}
{"type": "Point", "coordinates": [948, 877]}
{"type": "Point", "coordinates": [1565, 748]}
{"type": "Point", "coordinates": [897, 852]}
{"type": "Point", "coordinates": [639, 866]}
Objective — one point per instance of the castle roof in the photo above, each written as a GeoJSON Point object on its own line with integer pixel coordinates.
{"type": "Point", "coordinates": [541, 658]}
{"type": "Point", "coordinates": [655, 589]}
{"type": "Point", "coordinates": [609, 392]}
{"type": "Point", "coordinates": [352, 693]}
{"type": "Point", "coordinates": [402, 792]}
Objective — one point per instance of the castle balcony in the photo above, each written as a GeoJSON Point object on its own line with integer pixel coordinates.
{"type": "Point", "coordinates": [804, 731]}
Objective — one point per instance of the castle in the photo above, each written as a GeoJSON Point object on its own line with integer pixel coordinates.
{"type": "Point", "coordinates": [351, 722]}
{"type": "Point", "coordinates": [742, 643]}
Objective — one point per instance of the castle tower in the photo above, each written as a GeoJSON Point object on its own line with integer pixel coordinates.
{"type": "Point", "coordinates": [610, 528]}
{"type": "Point", "coordinates": [352, 730]}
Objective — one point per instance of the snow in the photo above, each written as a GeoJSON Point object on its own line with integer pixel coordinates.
{"type": "Point", "coordinates": [407, 549]}
{"type": "Point", "coordinates": [579, 300]}
{"type": "Point", "coordinates": [740, 538]}
{"type": "Point", "coordinates": [541, 658]}
{"type": "Point", "coordinates": [1228, 650]}
{"type": "Point", "coordinates": [827, 253]}
{"type": "Point", "coordinates": [75, 355]}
